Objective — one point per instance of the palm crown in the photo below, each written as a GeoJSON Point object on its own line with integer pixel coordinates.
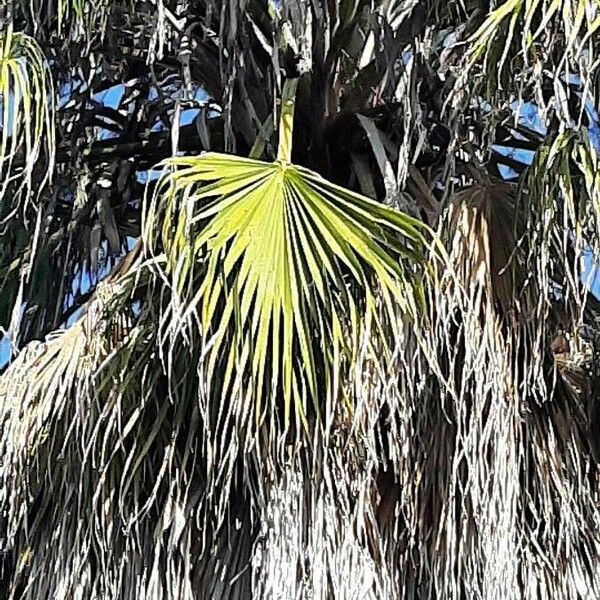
{"type": "Point", "coordinates": [296, 299]}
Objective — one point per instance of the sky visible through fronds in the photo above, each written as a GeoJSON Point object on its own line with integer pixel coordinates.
{"type": "Point", "coordinates": [299, 299]}
{"type": "Point", "coordinates": [528, 114]}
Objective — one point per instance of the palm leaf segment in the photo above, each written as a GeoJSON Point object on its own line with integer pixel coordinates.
{"type": "Point", "coordinates": [279, 268]}
{"type": "Point", "coordinates": [27, 99]}
{"type": "Point", "coordinates": [532, 29]}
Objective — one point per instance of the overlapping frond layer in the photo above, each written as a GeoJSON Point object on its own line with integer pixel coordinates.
{"type": "Point", "coordinates": [173, 415]}
{"type": "Point", "coordinates": [74, 20]}
{"type": "Point", "coordinates": [500, 409]}
{"type": "Point", "coordinates": [27, 142]}
{"type": "Point", "coordinates": [561, 196]}
{"type": "Point", "coordinates": [276, 267]}
{"type": "Point", "coordinates": [255, 411]}
{"type": "Point", "coordinates": [506, 508]}
{"type": "Point", "coordinates": [88, 427]}
{"type": "Point", "coordinates": [472, 398]}
{"type": "Point", "coordinates": [501, 418]}
{"type": "Point", "coordinates": [535, 39]}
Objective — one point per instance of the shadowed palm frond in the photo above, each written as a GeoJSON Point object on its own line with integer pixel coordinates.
{"type": "Point", "coordinates": [75, 19]}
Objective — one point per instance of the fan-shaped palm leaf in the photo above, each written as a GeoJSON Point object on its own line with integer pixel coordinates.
{"type": "Point", "coordinates": [289, 279]}
{"type": "Point", "coordinates": [267, 258]}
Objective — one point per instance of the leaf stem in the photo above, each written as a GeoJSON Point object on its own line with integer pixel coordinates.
{"type": "Point", "coordinates": [286, 122]}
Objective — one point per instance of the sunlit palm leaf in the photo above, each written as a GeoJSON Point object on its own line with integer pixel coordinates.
{"type": "Point", "coordinates": [270, 258]}
{"type": "Point", "coordinates": [27, 97]}
{"type": "Point", "coordinates": [535, 29]}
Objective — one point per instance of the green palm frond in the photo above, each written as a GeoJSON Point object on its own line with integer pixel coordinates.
{"type": "Point", "coordinates": [269, 257]}
{"type": "Point", "coordinates": [563, 194]}
{"type": "Point", "coordinates": [533, 30]}
{"type": "Point", "coordinates": [82, 11]}
{"type": "Point", "coordinates": [27, 96]}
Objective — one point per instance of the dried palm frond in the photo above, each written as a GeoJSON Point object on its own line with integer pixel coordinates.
{"type": "Point", "coordinates": [505, 494]}
{"type": "Point", "coordinates": [36, 391]}
{"type": "Point", "coordinates": [481, 228]}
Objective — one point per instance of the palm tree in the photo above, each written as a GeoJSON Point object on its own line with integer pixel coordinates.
{"type": "Point", "coordinates": [296, 299]}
